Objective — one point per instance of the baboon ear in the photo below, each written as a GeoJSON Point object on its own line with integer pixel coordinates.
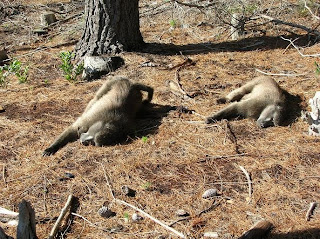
{"type": "Point", "coordinates": [221, 100]}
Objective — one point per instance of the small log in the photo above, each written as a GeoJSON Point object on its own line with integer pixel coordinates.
{"type": "Point", "coordinates": [258, 230]}
{"type": "Point", "coordinates": [27, 222]}
{"type": "Point", "coordinates": [7, 215]}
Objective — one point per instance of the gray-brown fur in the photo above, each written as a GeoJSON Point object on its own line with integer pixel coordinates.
{"type": "Point", "coordinates": [261, 99]}
{"type": "Point", "coordinates": [109, 117]}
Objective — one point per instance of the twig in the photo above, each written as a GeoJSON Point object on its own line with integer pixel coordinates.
{"type": "Point", "coordinates": [278, 21]}
{"type": "Point", "coordinates": [280, 74]}
{"type": "Point", "coordinates": [213, 206]}
{"type": "Point", "coordinates": [194, 5]}
{"type": "Point", "coordinates": [306, 6]}
{"type": "Point", "coordinates": [233, 138]}
{"type": "Point", "coordinates": [303, 55]}
{"type": "Point", "coordinates": [4, 174]}
{"type": "Point", "coordinates": [61, 216]}
{"type": "Point", "coordinates": [310, 210]}
{"type": "Point", "coordinates": [138, 209]}
{"type": "Point", "coordinates": [221, 157]}
{"type": "Point", "coordinates": [90, 223]}
{"type": "Point", "coordinates": [249, 181]}
{"type": "Point", "coordinates": [179, 220]}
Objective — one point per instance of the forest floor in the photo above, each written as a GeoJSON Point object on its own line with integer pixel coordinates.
{"type": "Point", "coordinates": [174, 156]}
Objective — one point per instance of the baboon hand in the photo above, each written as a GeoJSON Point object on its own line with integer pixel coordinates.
{"type": "Point", "coordinates": [209, 120]}
{"type": "Point", "coordinates": [221, 100]}
{"type": "Point", "coordinates": [48, 152]}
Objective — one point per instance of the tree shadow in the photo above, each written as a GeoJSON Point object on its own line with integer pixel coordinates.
{"type": "Point", "coordinates": [246, 44]}
{"type": "Point", "coordinates": [149, 118]}
{"type": "Point", "coordinates": [313, 233]}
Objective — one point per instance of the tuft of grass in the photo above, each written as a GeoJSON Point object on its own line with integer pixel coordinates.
{"type": "Point", "coordinates": [144, 139]}
{"type": "Point", "coordinates": [70, 71]}
{"type": "Point", "coordinates": [146, 185]}
{"type": "Point", "coordinates": [14, 68]}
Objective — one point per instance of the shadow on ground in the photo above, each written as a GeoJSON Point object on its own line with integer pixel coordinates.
{"type": "Point", "coordinates": [246, 44]}
{"type": "Point", "coordinates": [150, 117]}
{"type": "Point", "coordinates": [313, 233]}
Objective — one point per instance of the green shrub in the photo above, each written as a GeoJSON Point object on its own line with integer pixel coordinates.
{"type": "Point", "coordinates": [70, 71]}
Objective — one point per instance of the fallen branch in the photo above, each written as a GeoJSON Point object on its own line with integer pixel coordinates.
{"type": "Point", "coordinates": [138, 209]}
{"type": "Point", "coordinates": [280, 74]}
{"type": "Point", "coordinates": [249, 182]}
{"type": "Point", "coordinates": [194, 5]}
{"type": "Point", "coordinates": [176, 86]}
{"type": "Point", "coordinates": [310, 210]}
{"type": "Point", "coordinates": [176, 89]}
{"type": "Point", "coordinates": [303, 55]}
{"type": "Point", "coordinates": [61, 216]}
{"type": "Point", "coordinates": [7, 215]}
{"type": "Point", "coordinates": [278, 21]}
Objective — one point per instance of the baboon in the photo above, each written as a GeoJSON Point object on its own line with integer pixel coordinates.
{"type": "Point", "coordinates": [109, 117]}
{"type": "Point", "coordinates": [261, 99]}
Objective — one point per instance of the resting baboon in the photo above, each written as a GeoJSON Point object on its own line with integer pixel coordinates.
{"type": "Point", "coordinates": [261, 99]}
{"type": "Point", "coordinates": [109, 117]}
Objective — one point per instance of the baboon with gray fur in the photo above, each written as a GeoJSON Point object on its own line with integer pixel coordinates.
{"type": "Point", "coordinates": [109, 117]}
{"type": "Point", "coordinates": [261, 99]}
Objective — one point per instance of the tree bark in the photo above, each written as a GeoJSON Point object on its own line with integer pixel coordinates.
{"type": "Point", "coordinates": [111, 26]}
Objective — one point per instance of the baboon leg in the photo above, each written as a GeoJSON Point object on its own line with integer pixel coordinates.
{"type": "Point", "coordinates": [69, 135]}
{"type": "Point", "coordinates": [229, 112]}
{"type": "Point", "coordinates": [87, 137]}
{"type": "Point", "coordinates": [104, 89]}
{"type": "Point", "coordinates": [237, 94]}
{"type": "Point", "coordinates": [145, 88]}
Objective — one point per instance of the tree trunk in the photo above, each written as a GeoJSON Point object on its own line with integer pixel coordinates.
{"type": "Point", "coordinates": [111, 27]}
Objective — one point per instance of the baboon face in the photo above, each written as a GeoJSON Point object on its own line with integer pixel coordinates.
{"type": "Point", "coordinates": [270, 116]}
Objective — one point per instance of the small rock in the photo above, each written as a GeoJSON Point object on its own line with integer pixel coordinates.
{"type": "Point", "coordinates": [3, 56]}
{"type": "Point", "coordinates": [69, 175]}
{"type": "Point", "coordinates": [182, 213]}
{"type": "Point", "coordinates": [96, 66]}
{"type": "Point", "coordinates": [128, 191]}
{"type": "Point", "coordinates": [2, 109]}
{"type": "Point", "coordinates": [210, 193]}
{"type": "Point", "coordinates": [106, 212]}
{"type": "Point", "coordinates": [117, 228]}
{"type": "Point", "coordinates": [136, 217]}
{"type": "Point", "coordinates": [40, 31]}
{"type": "Point", "coordinates": [47, 19]}
{"type": "Point", "coordinates": [211, 235]}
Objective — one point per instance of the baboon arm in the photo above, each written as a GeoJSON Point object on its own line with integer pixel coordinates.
{"type": "Point", "coordinates": [147, 89]}
{"type": "Point", "coordinates": [229, 112]}
{"type": "Point", "coordinates": [69, 135]}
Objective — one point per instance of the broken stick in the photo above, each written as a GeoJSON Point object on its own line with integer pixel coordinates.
{"type": "Point", "coordinates": [310, 210]}
{"type": "Point", "coordinates": [61, 216]}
